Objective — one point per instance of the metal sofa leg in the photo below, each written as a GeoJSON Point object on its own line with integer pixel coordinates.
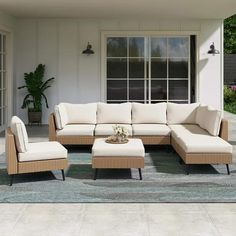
{"type": "Point", "coordinates": [187, 169]}
{"type": "Point", "coordinates": [11, 179]}
{"type": "Point", "coordinates": [228, 171]}
{"type": "Point", "coordinates": [63, 175]}
{"type": "Point", "coordinates": [95, 174]}
{"type": "Point", "coordinates": [140, 173]}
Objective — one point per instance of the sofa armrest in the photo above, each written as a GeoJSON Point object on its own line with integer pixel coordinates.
{"type": "Point", "coordinates": [11, 153]}
{"type": "Point", "coordinates": [52, 128]}
{"type": "Point", "coordinates": [224, 132]}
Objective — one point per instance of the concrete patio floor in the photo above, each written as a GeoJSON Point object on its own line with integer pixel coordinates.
{"type": "Point", "coordinates": [118, 219]}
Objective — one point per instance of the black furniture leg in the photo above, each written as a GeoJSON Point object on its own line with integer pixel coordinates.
{"type": "Point", "coordinates": [95, 174]}
{"type": "Point", "coordinates": [140, 173]}
{"type": "Point", "coordinates": [63, 175]}
{"type": "Point", "coordinates": [11, 179]}
{"type": "Point", "coordinates": [187, 169]}
{"type": "Point", "coordinates": [227, 166]}
{"type": "Point", "coordinates": [180, 161]}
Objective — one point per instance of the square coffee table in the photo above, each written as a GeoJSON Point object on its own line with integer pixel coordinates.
{"type": "Point", "coordinates": [117, 156]}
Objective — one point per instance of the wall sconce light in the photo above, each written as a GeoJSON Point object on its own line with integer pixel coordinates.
{"type": "Point", "coordinates": [213, 50]}
{"type": "Point", "coordinates": [88, 50]}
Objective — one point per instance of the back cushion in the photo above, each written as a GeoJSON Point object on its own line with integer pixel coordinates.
{"type": "Point", "coordinates": [149, 113]}
{"type": "Point", "coordinates": [181, 113]}
{"type": "Point", "coordinates": [81, 113]}
{"type": "Point", "coordinates": [209, 119]}
{"type": "Point", "coordinates": [60, 115]}
{"type": "Point", "coordinates": [20, 133]}
{"type": "Point", "coordinates": [114, 113]}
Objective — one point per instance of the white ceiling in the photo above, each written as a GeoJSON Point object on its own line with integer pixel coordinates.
{"type": "Point", "coordinates": [162, 9]}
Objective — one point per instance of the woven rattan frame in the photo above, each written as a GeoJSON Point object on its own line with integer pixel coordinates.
{"type": "Point", "coordinates": [16, 167]}
{"type": "Point", "coordinates": [117, 162]}
{"type": "Point", "coordinates": [147, 140]}
{"type": "Point", "coordinates": [88, 140]}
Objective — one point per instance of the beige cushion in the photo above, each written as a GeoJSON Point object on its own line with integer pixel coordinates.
{"type": "Point", "coordinates": [43, 151]}
{"type": "Point", "coordinates": [107, 129]}
{"type": "Point", "coordinates": [60, 116]}
{"type": "Point", "coordinates": [181, 113]}
{"type": "Point", "coordinates": [149, 113]}
{"type": "Point", "coordinates": [150, 129]}
{"type": "Point", "coordinates": [194, 139]}
{"type": "Point", "coordinates": [81, 113]}
{"type": "Point", "coordinates": [209, 119]}
{"type": "Point", "coordinates": [77, 129]}
{"type": "Point", "coordinates": [114, 113]}
{"type": "Point", "coordinates": [20, 133]}
{"type": "Point", "coordinates": [133, 148]}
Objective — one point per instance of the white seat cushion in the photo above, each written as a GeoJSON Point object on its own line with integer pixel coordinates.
{"type": "Point", "coordinates": [181, 113]}
{"type": "Point", "coordinates": [81, 130]}
{"type": "Point", "coordinates": [149, 113]}
{"type": "Point", "coordinates": [150, 129]}
{"type": "Point", "coordinates": [20, 133]}
{"type": "Point", "coordinates": [194, 139]}
{"type": "Point", "coordinates": [209, 119]}
{"type": "Point", "coordinates": [43, 151]}
{"type": "Point", "coordinates": [114, 113]}
{"type": "Point", "coordinates": [133, 148]}
{"type": "Point", "coordinates": [107, 129]}
{"type": "Point", "coordinates": [81, 113]}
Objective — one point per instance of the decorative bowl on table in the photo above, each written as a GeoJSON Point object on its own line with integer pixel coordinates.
{"type": "Point", "coordinates": [120, 135]}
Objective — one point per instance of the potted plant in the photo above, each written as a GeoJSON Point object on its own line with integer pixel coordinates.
{"type": "Point", "coordinates": [35, 87]}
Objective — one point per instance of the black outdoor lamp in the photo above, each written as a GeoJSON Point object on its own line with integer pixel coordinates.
{"type": "Point", "coordinates": [88, 50]}
{"type": "Point", "coordinates": [213, 50]}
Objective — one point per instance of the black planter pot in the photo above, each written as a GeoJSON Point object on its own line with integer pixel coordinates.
{"type": "Point", "coordinates": [35, 117]}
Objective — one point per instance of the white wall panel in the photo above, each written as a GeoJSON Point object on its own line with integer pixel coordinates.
{"type": "Point", "coordinates": [47, 51]}
{"type": "Point", "coordinates": [25, 59]}
{"type": "Point", "coordinates": [59, 44]}
{"type": "Point", "coordinates": [67, 61]}
{"type": "Point", "coordinates": [89, 65]}
{"type": "Point", "coordinates": [210, 66]}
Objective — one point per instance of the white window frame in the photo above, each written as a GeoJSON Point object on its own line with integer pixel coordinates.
{"type": "Point", "coordinates": [8, 32]}
{"type": "Point", "coordinates": [105, 34]}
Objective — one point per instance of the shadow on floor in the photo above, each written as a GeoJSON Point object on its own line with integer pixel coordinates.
{"type": "Point", "coordinates": [28, 177]}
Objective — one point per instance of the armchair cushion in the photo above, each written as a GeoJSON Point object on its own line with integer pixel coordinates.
{"type": "Point", "coordinates": [77, 129]}
{"type": "Point", "coordinates": [107, 129]}
{"type": "Point", "coordinates": [43, 151]}
{"type": "Point", "coordinates": [150, 129]}
{"type": "Point", "coordinates": [149, 113]}
{"type": "Point", "coordinates": [209, 119]}
{"type": "Point", "coordinates": [20, 133]}
{"type": "Point", "coordinates": [81, 113]}
{"type": "Point", "coordinates": [181, 113]}
{"type": "Point", "coordinates": [114, 113]}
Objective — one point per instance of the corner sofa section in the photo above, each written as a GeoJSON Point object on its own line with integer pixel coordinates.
{"type": "Point", "coordinates": [198, 133]}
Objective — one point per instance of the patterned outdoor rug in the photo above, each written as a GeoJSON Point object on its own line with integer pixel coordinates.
{"type": "Point", "coordinates": [164, 180]}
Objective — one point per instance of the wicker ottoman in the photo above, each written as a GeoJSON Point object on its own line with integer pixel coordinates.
{"type": "Point", "coordinates": [117, 156]}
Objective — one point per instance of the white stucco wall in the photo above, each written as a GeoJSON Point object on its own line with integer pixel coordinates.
{"type": "Point", "coordinates": [58, 43]}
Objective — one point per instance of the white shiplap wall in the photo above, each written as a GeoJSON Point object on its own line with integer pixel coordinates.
{"type": "Point", "coordinates": [58, 43]}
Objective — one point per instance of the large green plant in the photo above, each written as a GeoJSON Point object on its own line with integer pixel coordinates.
{"type": "Point", "coordinates": [35, 87]}
{"type": "Point", "coordinates": [230, 35]}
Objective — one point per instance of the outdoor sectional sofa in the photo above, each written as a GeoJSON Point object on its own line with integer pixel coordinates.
{"type": "Point", "coordinates": [197, 132]}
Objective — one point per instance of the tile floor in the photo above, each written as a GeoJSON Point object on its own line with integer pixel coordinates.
{"type": "Point", "coordinates": [119, 219]}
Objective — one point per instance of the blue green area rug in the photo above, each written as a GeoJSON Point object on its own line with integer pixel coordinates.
{"type": "Point", "coordinates": [164, 180]}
